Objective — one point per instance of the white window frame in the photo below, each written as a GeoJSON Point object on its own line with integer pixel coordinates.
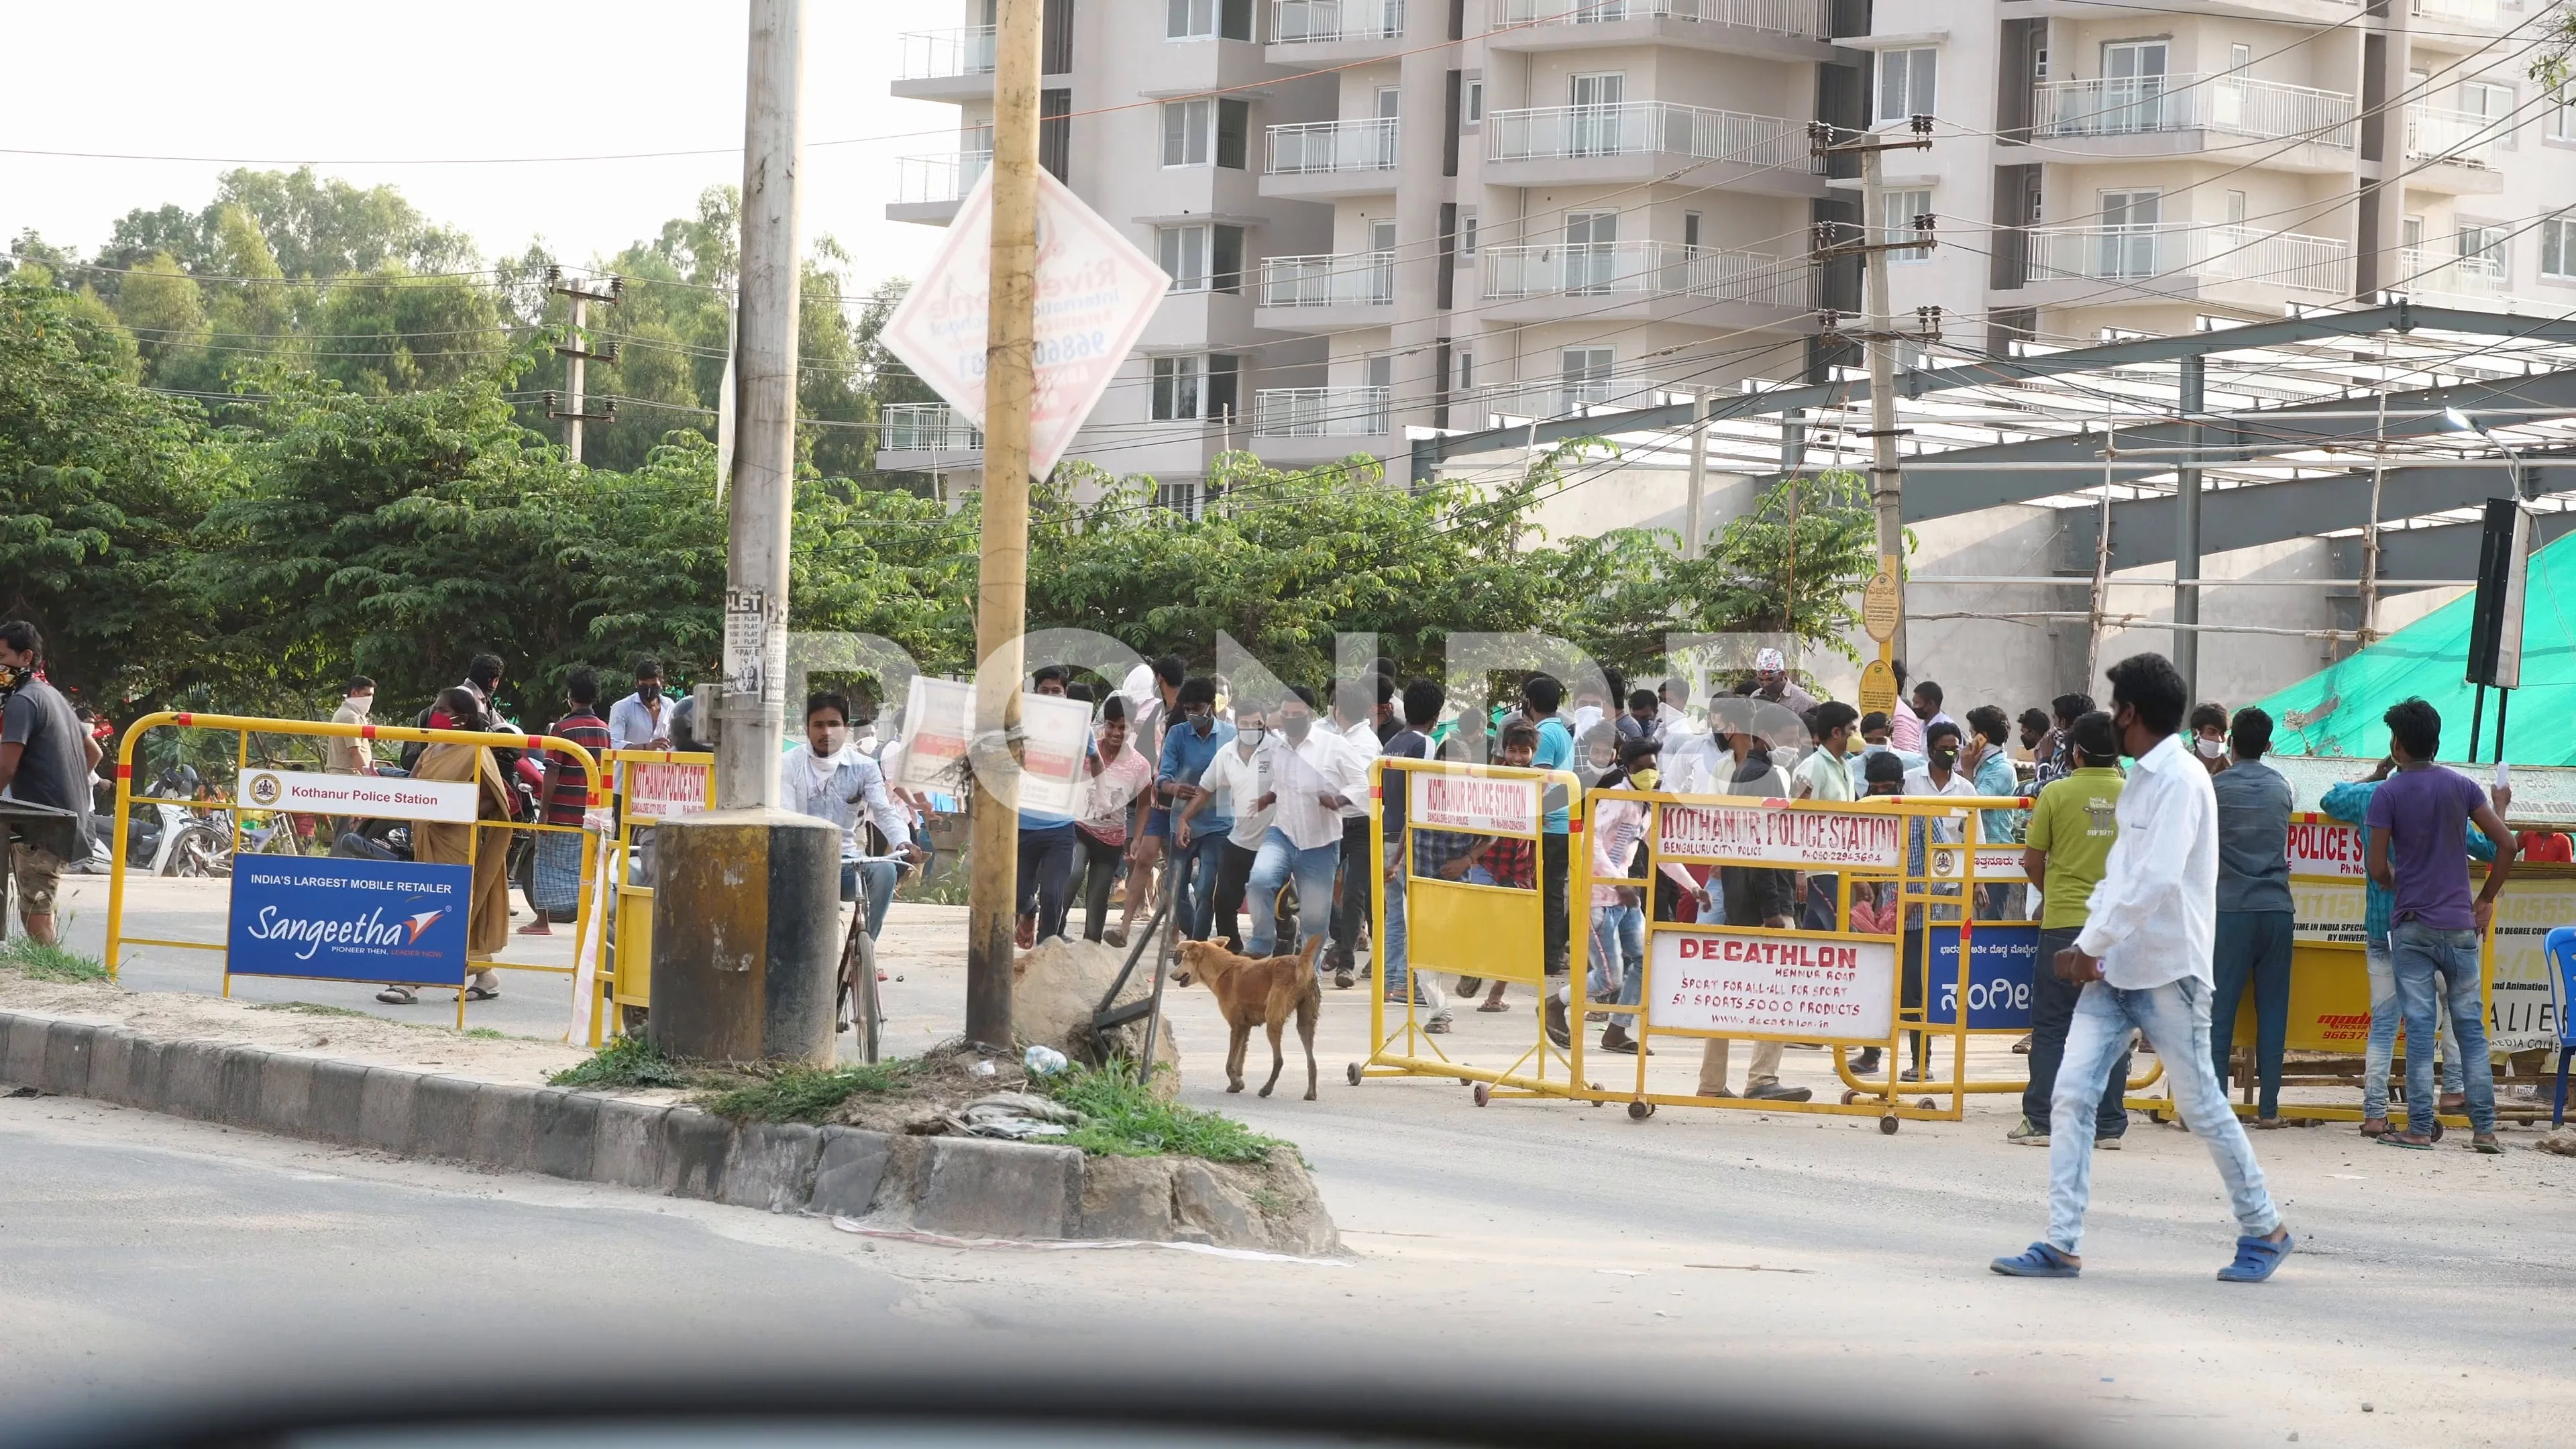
{"type": "Point", "coordinates": [1467, 234]}
{"type": "Point", "coordinates": [1205, 19]}
{"type": "Point", "coordinates": [1189, 133]}
{"type": "Point", "coordinates": [1183, 386]}
{"type": "Point", "coordinates": [1897, 209]}
{"type": "Point", "coordinates": [2500, 116]}
{"type": "Point", "coordinates": [1917, 94]}
{"type": "Point", "coordinates": [2561, 125]}
{"type": "Point", "coordinates": [2558, 246]}
{"type": "Point", "coordinates": [1189, 255]}
{"type": "Point", "coordinates": [1471, 108]}
{"type": "Point", "coordinates": [2501, 248]}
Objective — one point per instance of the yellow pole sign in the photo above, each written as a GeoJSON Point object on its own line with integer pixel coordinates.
{"type": "Point", "coordinates": [1882, 604]}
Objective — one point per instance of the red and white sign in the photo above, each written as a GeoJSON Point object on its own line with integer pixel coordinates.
{"type": "Point", "coordinates": [2327, 848]}
{"type": "Point", "coordinates": [1778, 835]}
{"type": "Point", "coordinates": [377, 797]}
{"type": "Point", "coordinates": [1472, 802]}
{"type": "Point", "coordinates": [1055, 736]}
{"type": "Point", "coordinates": [660, 790]}
{"type": "Point", "coordinates": [1771, 983]}
{"type": "Point", "coordinates": [1095, 292]}
{"type": "Point", "coordinates": [938, 720]}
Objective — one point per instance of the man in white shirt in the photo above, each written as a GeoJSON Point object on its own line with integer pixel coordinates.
{"type": "Point", "coordinates": [1238, 775]}
{"type": "Point", "coordinates": [1940, 775]}
{"type": "Point", "coordinates": [642, 720]}
{"type": "Point", "coordinates": [1314, 776]}
{"type": "Point", "coordinates": [828, 779]}
{"type": "Point", "coordinates": [2144, 954]}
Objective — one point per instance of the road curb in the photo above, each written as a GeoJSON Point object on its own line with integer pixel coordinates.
{"type": "Point", "coordinates": [956, 1185]}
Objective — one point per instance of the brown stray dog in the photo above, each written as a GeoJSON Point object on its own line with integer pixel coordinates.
{"type": "Point", "coordinates": [1258, 990]}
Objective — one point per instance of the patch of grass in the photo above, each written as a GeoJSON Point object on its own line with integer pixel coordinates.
{"type": "Point", "coordinates": [627, 1061]}
{"type": "Point", "coordinates": [949, 890]}
{"type": "Point", "coordinates": [26, 956]}
{"type": "Point", "coordinates": [805, 1094]}
{"type": "Point", "coordinates": [306, 1008]}
{"type": "Point", "coordinates": [485, 1033]}
{"type": "Point", "coordinates": [1122, 1118]}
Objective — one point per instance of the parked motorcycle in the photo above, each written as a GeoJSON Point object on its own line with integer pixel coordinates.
{"type": "Point", "coordinates": [164, 838]}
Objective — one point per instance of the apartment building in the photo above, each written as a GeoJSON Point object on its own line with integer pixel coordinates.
{"type": "Point", "coordinates": [1393, 214]}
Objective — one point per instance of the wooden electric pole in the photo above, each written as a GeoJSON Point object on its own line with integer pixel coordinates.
{"type": "Point", "coordinates": [1002, 591]}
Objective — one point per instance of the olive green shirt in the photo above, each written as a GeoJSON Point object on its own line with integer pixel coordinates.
{"type": "Point", "coordinates": [2073, 823]}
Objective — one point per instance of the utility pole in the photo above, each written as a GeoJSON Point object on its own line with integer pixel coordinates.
{"type": "Point", "coordinates": [1694, 525]}
{"type": "Point", "coordinates": [1879, 336]}
{"type": "Point", "coordinates": [1002, 589]}
{"type": "Point", "coordinates": [578, 355]}
{"type": "Point", "coordinates": [746, 896]}
{"type": "Point", "coordinates": [2186, 604]}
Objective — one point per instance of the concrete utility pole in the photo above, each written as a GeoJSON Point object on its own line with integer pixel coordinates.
{"type": "Point", "coordinates": [1886, 476]}
{"type": "Point", "coordinates": [2186, 604]}
{"type": "Point", "coordinates": [1001, 603]}
{"type": "Point", "coordinates": [1694, 524]}
{"type": "Point", "coordinates": [746, 906]}
{"type": "Point", "coordinates": [578, 355]}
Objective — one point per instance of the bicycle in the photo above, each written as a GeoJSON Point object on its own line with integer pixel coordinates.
{"type": "Point", "coordinates": [858, 994]}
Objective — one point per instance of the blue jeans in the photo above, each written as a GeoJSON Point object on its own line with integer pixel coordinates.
{"type": "Point", "coordinates": [1194, 886]}
{"type": "Point", "coordinates": [1271, 869]}
{"type": "Point", "coordinates": [1619, 953]}
{"type": "Point", "coordinates": [2175, 1017]}
{"type": "Point", "coordinates": [2420, 954]}
{"type": "Point", "coordinates": [2252, 947]}
{"type": "Point", "coordinates": [2385, 1019]}
{"type": "Point", "coordinates": [2052, 1015]}
{"type": "Point", "coordinates": [1391, 978]}
{"type": "Point", "coordinates": [882, 875]}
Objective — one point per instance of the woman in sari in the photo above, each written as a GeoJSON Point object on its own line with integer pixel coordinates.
{"type": "Point", "coordinates": [487, 921]}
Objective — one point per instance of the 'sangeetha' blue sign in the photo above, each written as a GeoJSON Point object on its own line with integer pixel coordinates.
{"type": "Point", "coordinates": [350, 920]}
{"type": "Point", "coordinates": [2002, 959]}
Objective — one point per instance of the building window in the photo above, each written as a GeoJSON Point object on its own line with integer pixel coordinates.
{"type": "Point", "coordinates": [2561, 125]}
{"type": "Point", "coordinates": [1898, 222]}
{"type": "Point", "coordinates": [2494, 104]}
{"type": "Point", "coordinates": [2236, 208]}
{"type": "Point", "coordinates": [1466, 370]}
{"type": "Point", "coordinates": [2558, 248]}
{"type": "Point", "coordinates": [1196, 133]}
{"type": "Point", "coordinates": [2481, 241]}
{"type": "Point", "coordinates": [1690, 231]}
{"type": "Point", "coordinates": [1186, 497]}
{"type": "Point", "coordinates": [2240, 57]}
{"type": "Point", "coordinates": [1188, 389]}
{"type": "Point", "coordinates": [1203, 19]}
{"type": "Point", "coordinates": [1583, 376]}
{"type": "Point", "coordinates": [1475, 115]}
{"type": "Point", "coordinates": [1906, 82]}
{"type": "Point", "coordinates": [1201, 258]}
{"type": "Point", "coordinates": [1466, 233]}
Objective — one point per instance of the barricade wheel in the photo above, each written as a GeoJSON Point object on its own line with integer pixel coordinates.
{"type": "Point", "coordinates": [1640, 1111]}
{"type": "Point", "coordinates": [1355, 1074]}
{"type": "Point", "coordinates": [1484, 1094]}
{"type": "Point", "coordinates": [1925, 1104]}
{"type": "Point", "coordinates": [1850, 1096]}
{"type": "Point", "coordinates": [1887, 1126]}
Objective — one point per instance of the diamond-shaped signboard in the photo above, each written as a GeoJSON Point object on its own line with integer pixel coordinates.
{"type": "Point", "coordinates": [1095, 292]}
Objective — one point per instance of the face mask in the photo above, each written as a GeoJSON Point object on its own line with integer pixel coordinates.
{"type": "Point", "coordinates": [648, 691]}
{"type": "Point", "coordinates": [12, 676]}
{"type": "Point", "coordinates": [362, 702]}
{"type": "Point", "coordinates": [1297, 727]}
{"type": "Point", "coordinates": [2210, 749]}
{"type": "Point", "coordinates": [833, 739]}
{"type": "Point", "coordinates": [1945, 758]}
{"type": "Point", "coordinates": [1252, 736]}
{"type": "Point", "coordinates": [1643, 779]}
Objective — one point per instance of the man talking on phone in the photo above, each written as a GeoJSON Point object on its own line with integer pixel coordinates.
{"type": "Point", "coordinates": [2144, 960]}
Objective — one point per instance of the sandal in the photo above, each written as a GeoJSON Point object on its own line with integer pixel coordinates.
{"type": "Point", "coordinates": [2257, 1259]}
{"type": "Point", "coordinates": [2382, 1130]}
{"type": "Point", "coordinates": [2487, 1144]}
{"type": "Point", "coordinates": [481, 993]}
{"type": "Point", "coordinates": [2270, 1124]}
{"type": "Point", "coordinates": [398, 996]}
{"type": "Point", "coordinates": [2400, 1139]}
{"type": "Point", "coordinates": [1493, 1006]}
{"type": "Point", "coordinates": [2039, 1260]}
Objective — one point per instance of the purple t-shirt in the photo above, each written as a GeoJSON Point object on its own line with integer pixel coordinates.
{"type": "Point", "coordinates": [2425, 814]}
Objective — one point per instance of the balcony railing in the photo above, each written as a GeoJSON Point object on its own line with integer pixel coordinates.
{"type": "Point", "coordinates": [1356, 279]}
{"type": "Point", "coordinates": [1643, 269]}
{"type": "Point", "coordinates": [926, 428]}
{"type": "Point", "coordinates": [1300, 22]}
{"type": "Point", "coordinates": [1568, 397]}
{"type": "Point", "coordinates": [2462, 138]}
{"type": "Point", "coordinates": [1323, 412]}
{"type": "Point", "coordinates": [2488, 13]}
{"type": "Point", "coordinates": [1362, 145]}
{"type": "Point", "coordinates": [2233, 105]}
{"type": "Point", "coordinates": [2224, 253]}
{"type": "Point", "coordinates": [925, 179]}
{"type": "Point", "coordinates": [1634, 128]}
{"type": "Point", "coordinates": [1778, 17]}
{"type": "Point", "coordinates": [933, 54]}
{"type": "Point", "coordinates": [2480, 279]}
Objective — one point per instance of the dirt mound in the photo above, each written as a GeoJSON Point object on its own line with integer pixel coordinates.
{"type": "Point", "coordinates": [1055, 989]}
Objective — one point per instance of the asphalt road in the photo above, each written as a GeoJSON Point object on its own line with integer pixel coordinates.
{"type": "Point", "coordinates": [1717, 1246]}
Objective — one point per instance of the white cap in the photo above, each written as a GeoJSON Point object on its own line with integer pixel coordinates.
{"type": "Point", "coordinates": [1770, 661]}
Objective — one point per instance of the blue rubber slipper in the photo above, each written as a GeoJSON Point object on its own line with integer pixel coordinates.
{"type": "Point", "coordinates": [2041, 1261]}
{"type": "Point", "coordinates": [2256, 1259]}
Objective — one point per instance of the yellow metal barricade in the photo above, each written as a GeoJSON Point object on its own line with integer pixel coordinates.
{"type": "Point", "coordinates": [652, 785]}
{"type": "Point", "coordinates": [1471, 834]}
{"type": "Point", "coordinates": [480, 836]}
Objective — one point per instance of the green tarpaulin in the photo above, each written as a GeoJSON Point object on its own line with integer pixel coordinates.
{"type": "Point", "coordinates": [2336, 710]}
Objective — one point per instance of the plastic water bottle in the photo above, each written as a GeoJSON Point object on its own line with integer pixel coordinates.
{"type": "Point", "coordinates": [1044, 1061]}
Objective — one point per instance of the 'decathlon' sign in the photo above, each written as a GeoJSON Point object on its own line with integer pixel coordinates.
{"type": "Point", "coordinates": [1750, 983]}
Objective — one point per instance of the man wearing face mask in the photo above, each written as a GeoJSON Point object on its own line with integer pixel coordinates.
{"type": "Point", "coordinates": [826, 779]}
{"type": "Point", "coordinates": [1940, 775]}
{"type": "Point", "coordinates": [1422, 703]}
{"type": "Point", "coordinates": [642, 720]}
{"type": "Point", "coordinates": [1189, 747]}
{"type": "Point", "coordinates": [2209, 736]}
{"type": "Point", "coordinates": [45, 759]}
{"type": "Point", "coordinates": [349, 755]}
{"type": "Point", "coordinates": [1232, 781]}
{"type": "Point", "coordinates": [1313, 776]}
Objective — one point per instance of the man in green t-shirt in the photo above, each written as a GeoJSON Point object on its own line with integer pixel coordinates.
{"type": "Point", "coordinates": [2065, 849]}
